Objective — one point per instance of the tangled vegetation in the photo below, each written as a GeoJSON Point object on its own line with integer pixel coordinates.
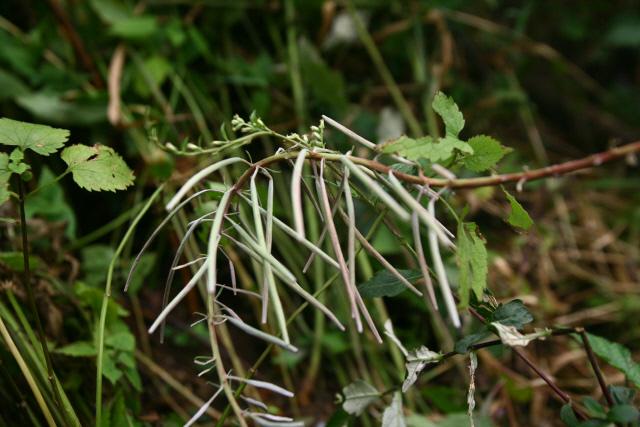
{"type": "Point", "coordinates": [348, 247]}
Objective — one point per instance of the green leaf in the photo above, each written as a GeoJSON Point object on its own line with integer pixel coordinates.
{"type": "Point", "coordinates": [109, 368]}
{"type": "Point", "coordinates": [97, 168]}
{"type": "Point", "coordinates": [487, 152]}
{"type": "Point", "coordinates": [49, 203]}
{"type": "Point", "coordinates": [111, 11]}
{"type": "Point", "coordinates": [134, 377]}
{"type": "Point", "coordinates": [55, 108]}
{"type": "Point", "coordinates": [425, 148]}
{"type": "Point", "coordinates": [392, 415]}
{"type": "Point", "coordinates": [568, 416]}
{"type": "Point", "coordinates": [78, 349]}
{"type": "Point", "coordinates": [5, 175]}
{"type": "Point", "coordinates": [15, 261]}
{"type": "Point", "coordinates": [135, 27]}
{"type": "Point", "coordinates": [621, 395]}
{"type": "Point", "coordinates": [623, 414]}
{"type": "Point", "coordinates": [42, 139]}
{"type": "Point", "coordinates": [472, 260]}
{"type": "Point", "coordinates": [593, 407]}
{"type": "Point", "coordinates": [385, 284]}
{"type": "Point", "coordinates": [123, 340]}
{"type": "Point", "coordinates": [513, 313]}
{"type": "Point", "coordinates": [448, 110]}
{"type": "Point", "coordinates": [357, 396]}
{"type": "Point", "coordinates": [462, 345]}
{"type": "Point", "coordinates": [617, 356]}
{"type": "Point", "coordinates": [518, 217]}
{"type": "Point", "coordinates": [11, 86]}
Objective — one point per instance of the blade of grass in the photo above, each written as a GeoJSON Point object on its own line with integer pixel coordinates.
{"type": "Point", "coordinates": [27, 374]}
{"type": "Point", "coordinates": [107, 295]}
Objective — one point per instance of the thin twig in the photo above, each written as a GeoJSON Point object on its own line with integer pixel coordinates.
{"type": "Point", "coordinates": [552, 385]}
{"type": "Point", "coordinates": [596, 368]}
{"type": "Point", "coordinates": [485, 181]}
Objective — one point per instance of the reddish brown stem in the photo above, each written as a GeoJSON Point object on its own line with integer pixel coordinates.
{"type": "Point", "coordinates": [485, 181]}
{"type": "Point", "coordinates": [595, 366]}
{"type": "Point", "coordinates": [552, 385]}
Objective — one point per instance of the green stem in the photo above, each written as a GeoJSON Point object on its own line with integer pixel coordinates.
{"type": "Point", "coordinates": [294, 63]}
{"type": "Point", "coordinates": [32, 300]}
{"type": "Point", "coordinates": [105, 301]}
{"type": "Point", "coordinates": [53, 181]}
{"type": "Point", "coordinates": [385, 73]}
{"type": "Point", "coordinates": [104, 230]}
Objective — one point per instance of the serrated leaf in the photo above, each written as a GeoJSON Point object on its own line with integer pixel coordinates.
{"type": "Point", "coordinates": [513, 313]}
{"type": "Point", "coordinates": [448, 110]}
{"type": "Point", "coordinates": [357, 396]}
{"type": "Point", "coordinates": [417, 359]}
{"type": "Point", "coordinates": [392, 415]}
{"type": "Point", "coordinates": [42, 139]}
{"type": "Point", "coordinates": [78, 349]}
{"type": "Point", "coordinates": [487, 152]}
{"type": "Point", "coordinates": [518, 217]}
{"type": "Point", "coordinates": [472, 260]}
{"type": "Point", "coordinates": [385, 284]}
{"type": "Point", "coordinates": [426, 148]}
{"type": "Point", "coordinates": [97, 168]}
{"type": "Point", "coordinates": [617, 356]}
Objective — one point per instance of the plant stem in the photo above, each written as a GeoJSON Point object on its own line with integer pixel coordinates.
{"type": "Point", "coordinates": [561, 394]}
{"type": "Point", "coordinates": [484, 181]}
{"type": "Point", "coordinates": [53, 181]}
{"type": "Point", "coordinates": [32, 300]}
{"type": "Point", "coordinates": [385, 73]}
{"type": "Point", "coordinates": [105, 301]}
{"type": "Point", "coordinates": [294, 63]}
{"type": "Point", "coordinates": [596, 367]}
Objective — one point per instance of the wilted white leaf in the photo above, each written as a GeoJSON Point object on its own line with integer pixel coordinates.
{"type": "Point", "coordinates": [417, 359]}
{"type": "Point", "coordinates": [393, 416]}
{"type": "Point", "coordinates": [357, 396]}
{"type": "Point", "coordinates": [510, 336]}
{"type": "Point", "coordinates": [471, 401]}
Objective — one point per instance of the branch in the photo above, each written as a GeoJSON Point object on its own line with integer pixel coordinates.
{"type": "Point", "coordinates": [485, 181]}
